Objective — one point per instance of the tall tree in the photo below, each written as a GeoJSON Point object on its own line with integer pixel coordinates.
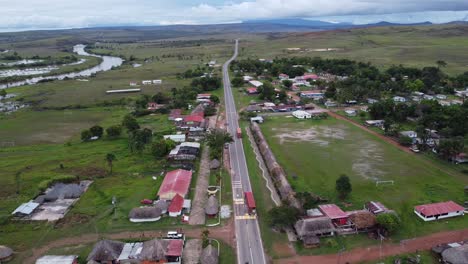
{"type": "Point", "coordinates": [130, 123]}
{"type": "Point", "coordinates": [110, 157]}
{"type": "Point", "coordinates": [97, 131]}
{"type": "Point", "coordinates": [283, 216]}
{"type": "Point", "coordinates": [216, 140]}
{"type": "Point", "coordinates": [343, 186]}
{"type": "Point", "coordinates": [441, 64]}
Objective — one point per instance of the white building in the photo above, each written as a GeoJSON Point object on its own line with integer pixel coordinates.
{"type": "Point", "coordinates": [256, 83]}
{"type": "Point", "coordinates": [176, 137]}
{"type": "Point", "coordinates": [146, 82]}
{"type": "Point", "coordinates": [52, 259]}
{"type": "Point", "coordinates": [399, 99]}
{"type": "Point", "coordinates": [351, 112]}
{"type": "Point", "coordinates": [301, 114]}
{"type": "Point", "coordinates": [247, 78]}
{"type": "Point", "coordinates": [157, 81]}
{"type": "Point", "coordinates": [436, 211]}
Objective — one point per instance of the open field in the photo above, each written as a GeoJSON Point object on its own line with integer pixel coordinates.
{"type": "Point", "coordinates": [315, 153]}
{"type": "Point", "coordinates": [383, 46]}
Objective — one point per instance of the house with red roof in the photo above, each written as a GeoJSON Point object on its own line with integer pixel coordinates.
{"type": "Point", "coordinates": [176, 182]}
{"type": "Point", "coordinates": [283, 76]}
{"type": "Point", "coordinates": [176, 206]}
{"type": "Point", "coordinates": [252, 90]}
{"type": "Point", "coordinates": [338, 216]}
{"type": "Point", "coordinates": [174, 114]}
{"type": "Point", "coordinates": [436, 211]}
{"type": "Point", "coordinates": [152, 106]}
{"type": "Point", "coordinates": [310, 77]}
{"type": "Point", "coordinates": [315, 94]}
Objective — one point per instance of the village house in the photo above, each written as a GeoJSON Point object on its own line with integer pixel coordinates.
{"type": "Point", "coordinates": [428, 97]}
{"type": "Point", "coordinates": [255, 83]}
{"type": "Point", "coordinates": [283, 77]}
{"type": "Point", "coordinates": [174, 114]}
{"type": "Point", "coordinates": [146, 82]}
{"type": "Point", "coordinates": [157, 81]}
{"type": "Point", "coordinates": [178, 138]}
{"type": "Point", "coordinates": [252, 91]}
{"type": "Point", "coordinates": [212, 207]}
{"type": "Point", "coordinates": [26, 209]}
{"type": "Point", "coordinates": [247, 78]}
{"type": "Point", "coordinates": [310, 229]}
{"type": "Point", "coordinates": [338, 216]}
{"type": "Point", "coordinates": [436, 211]}
{"type": "Point", "coordinates": [257, 119]}
{"type": "Point", "coordinates": [441, 96]}
{"type": "Point", "coordinates": [329, 104]}
{"type": "Point", "coordinates": [176, 182]}
{"type": "Point", "coordinates": [300, 114]}
{"type": "Point", "coordinates": [145, 214]}
{"type": "Point", "coordinates": [372, 101]}
{"type": "Point", "coordinates": [152, 252]}
{"type": "Point", "coordinates": [176, 206]}
{"type": "Point", "coordinates": [54, 259]}
{"type": "Point", "coordinates": [152, 106]}
{"type": "Point", "coordinates": [310, 77]}
{"type": "Point", "coordinates": [375, 123]}
{"type": "Point", "coordinates": [399, 99]}
{"type": "Point", "coordinates": [314, 94]}
{"type": "Point", "coordinates": [106, 252]}
{"type": "Point", "coordinates": [350, 112]}
{"type": "Point", "coordinates": [253, 108]}
{"type": "Point", "coordinates": [133, 83]}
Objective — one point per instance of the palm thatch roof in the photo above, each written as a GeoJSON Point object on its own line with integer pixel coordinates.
{"type": "Point", "coordinates": [363, 219]}
{"type": "Point", "coordinates": [153, 250]}
{"type": "Point", "coordinates": [456, 255]}
{"type": "Point", "coordinates": [163, 205]}
{"type": "Point", "coordinates": [106, 250]}
{"type": "Point", "coordinates": [5, 252]}
{"type": "Point", "coordinates": [209, 255]}
{"type": "Point", "coordinates": [212, 206]}
{"type": "Point", "coordinates": [214, 164]}
{"type": "Point", "coordinates": [145, 213]}
{"type": "Point", "coordinates": [314, 226]}
{"type": "Point", "coordinates": [310, 240]}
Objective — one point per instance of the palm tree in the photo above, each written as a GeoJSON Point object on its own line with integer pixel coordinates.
{"type": "Point", "coordinates": [110, 157]}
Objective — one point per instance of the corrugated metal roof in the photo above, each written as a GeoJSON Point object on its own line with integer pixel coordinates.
{"type": "Point", "coordinates": [176, 204]}
{"type": "Point", "coordinates": [26, 208]}
{"type": "Point", "coordinates": [333, 211]}
{"type": "Point", "coordinates": [438, 208]}
{"type": "Point", "coordinates": [174, 249]}
{"type": "Point", "coordinates": [51, 259]}
{"type": "Point", "coordinates": [175, 182]}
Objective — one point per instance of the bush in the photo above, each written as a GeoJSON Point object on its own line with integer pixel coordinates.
{"type": "Point", "coordinates": [114, 131]}
{"type": "Point", "coordinates": [86, 135]}
{"type": "Point", "coordinates": [389, 221]}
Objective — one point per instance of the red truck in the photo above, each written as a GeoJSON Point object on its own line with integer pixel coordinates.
{"type": "Point", "coordinates": [239, 133]}
{"type": "Point", "coordinates": [250, 201]}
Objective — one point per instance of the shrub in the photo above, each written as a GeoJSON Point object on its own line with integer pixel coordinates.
{"type": "Point", "coordinates": [43, 185]}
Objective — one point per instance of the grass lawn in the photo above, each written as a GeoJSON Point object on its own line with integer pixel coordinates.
{"type": "Point", "coordinates": [426, 257]}
{"type": "Point", "coordinates": [314, 154]}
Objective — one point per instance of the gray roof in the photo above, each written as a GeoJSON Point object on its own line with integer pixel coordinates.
{"type": "Point", "coordinates": [456, 255]}
{"type": "Point", "coordinates": [314, 226]}
{"type": "Point", "coordinates": [145, 212]}
{"type": "Point", "coordinates": [51, 259]}
{"type": "Point", "coordinates": [26, 208]}
{"type": "Point", "coordinates": [162, 204]}
{"type": "Point", "coordinates": [209, 255]}
{"type": "Point", "coordinates": [212, 206]}
{"type": "Point", "coordinates": [153, 250]}
{"type": "Point", "coordinates": [5, 252]}
{"type": "Point", "coordinates": [214, 164]}
{"type": "Point", "coordinates": [106, 250]}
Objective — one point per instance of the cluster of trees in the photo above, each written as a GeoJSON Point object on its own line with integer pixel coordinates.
{"type": "Point", "coordinates": [216, 139]}
{"type": "Point", "coordinates": [97, 131]}
{"type": "Point", "coordinates": [197, 72]}
{"type": "Point", "coordinates": [283, 216]}
{"type": "Point", "coordinates": [206, 83]}
{"type": "Point", "coordinates": [41, 61]}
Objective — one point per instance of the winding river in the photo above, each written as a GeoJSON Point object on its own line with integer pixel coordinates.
{"type": "Point", "coordinates": [108, 62]}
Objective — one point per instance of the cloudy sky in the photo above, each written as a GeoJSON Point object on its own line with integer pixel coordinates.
{"type": "Point", "coordinates": [47, 14]}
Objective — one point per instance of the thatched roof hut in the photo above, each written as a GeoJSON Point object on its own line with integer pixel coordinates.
{"type": "Point", "coordinates": [153, 250]}
{"type": "Point", "coordinates": [320, 226]}
{"type": "Point", "coordinates": [145, 214]}
{"type": "Point", "coordinates": [212, 206]}
{"type": "Point", "coordinates": [363, 219]}
{"type": "Point", "coordinates": [106, 250]}
{"type": "Point", "coordinates": [311, 241]}
{"type": "Point", "coordinates": [209, 255]}
{"type": "Point", "coordinates": [163, 205]}
{"type": "Point", "coordinates": [6, 253]}
{"type": "Point", "coordinates": [214, 164]}
{"type": "Point", "coordinates": [456, 255]}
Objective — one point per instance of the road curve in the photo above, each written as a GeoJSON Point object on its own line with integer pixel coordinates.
{"type": "Point", "coordinates": [248, 239]}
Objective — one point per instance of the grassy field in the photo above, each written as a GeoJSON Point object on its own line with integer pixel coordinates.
{"type": "Point", "coordinates": [412, 46]}
{"type": "Point", "coordinates": [315, 153]}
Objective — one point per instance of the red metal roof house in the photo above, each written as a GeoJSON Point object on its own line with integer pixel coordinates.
{"type": "Point", "coordinates": [176, 206]}
{"type": "Point", "coordinates": [436, 211]}
{"type": "Point", "coordinates": [252, 90]}
{"type": "Point", "coordinates": [175, 182]}
{"type": "Point", "coordinates": [338, 216]}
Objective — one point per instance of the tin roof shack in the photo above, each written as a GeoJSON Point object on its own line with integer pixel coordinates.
{"type": "Point", "coordinates": [310, 229]}
{"type": "Point", "coordinates": [25, 209]}
{"type": "Point", "coordinates": [436, 211]}
{"type": "Point", "coordinates": [376, 208]}
{"type": "Point", "coordinates": [338, 216]}
{"type": "Point", "coordinates": [130, 252]}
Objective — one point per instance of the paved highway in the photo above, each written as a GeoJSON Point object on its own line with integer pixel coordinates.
{"type": "Point", "coordinates": [248, 239]}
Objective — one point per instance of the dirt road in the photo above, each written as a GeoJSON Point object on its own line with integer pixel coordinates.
{"type": "Point", "coordinates": [224, 233]}
{"type": "Point", "coordinates": [374, 253]}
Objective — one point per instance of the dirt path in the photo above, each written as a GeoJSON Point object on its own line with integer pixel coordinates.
{"type": "Point", "coordinates": [224, 233]}
{"type": "Point", "coordinates": [374, 253]}
{"type": "Point", "coordinates": [197, 213]}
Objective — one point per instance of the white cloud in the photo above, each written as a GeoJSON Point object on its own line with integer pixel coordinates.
{"type": "Point", "coordinates": [86, 13]}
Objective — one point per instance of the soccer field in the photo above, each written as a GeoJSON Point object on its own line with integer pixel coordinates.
{"type": "Point", "coordinates": [315, 153]}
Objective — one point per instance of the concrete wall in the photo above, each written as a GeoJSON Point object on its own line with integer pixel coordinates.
{"type": "Point", "coordinates": [276, 171]}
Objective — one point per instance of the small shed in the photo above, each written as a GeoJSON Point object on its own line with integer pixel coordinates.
{"type": "Point", "coordinates": [212, 206]}
{"type": "Point", "coordinates": [26, 209]}
{"type": "Point", "coordinates": [209, 255]}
